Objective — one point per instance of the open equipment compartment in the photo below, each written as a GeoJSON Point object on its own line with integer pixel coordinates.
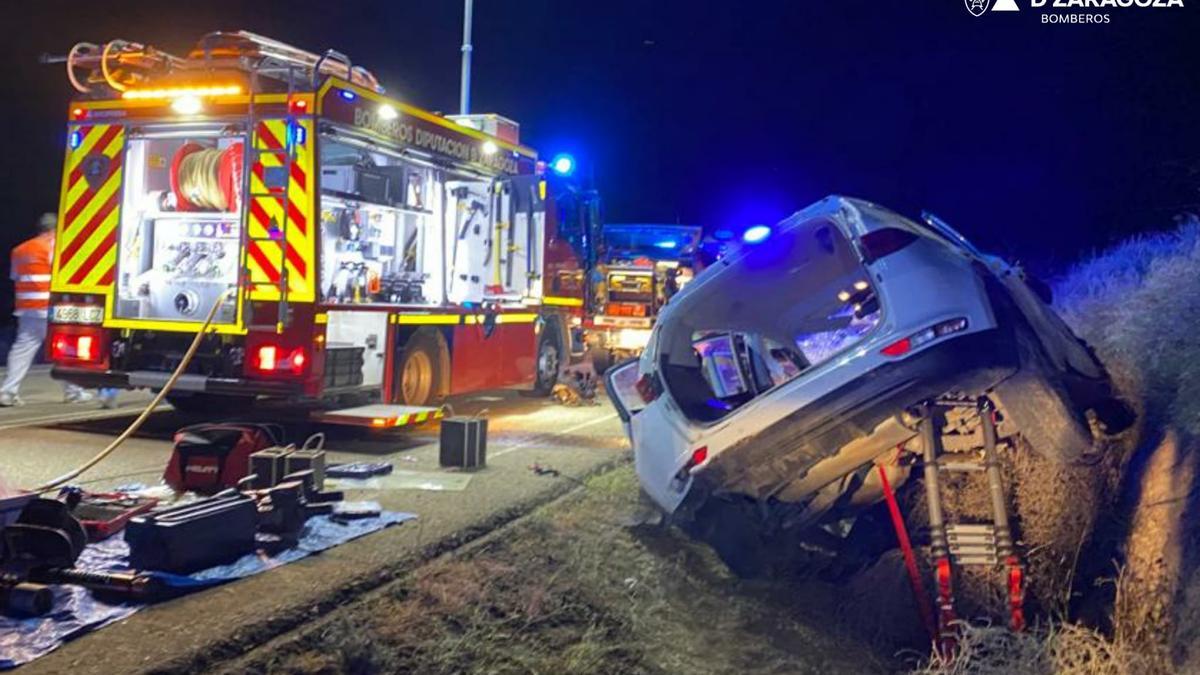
{"type": "Point", "coordinates": [180, 228]}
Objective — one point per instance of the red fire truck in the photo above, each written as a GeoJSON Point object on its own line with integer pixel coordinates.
{"type": "Point", "coordinates": [362, 244]}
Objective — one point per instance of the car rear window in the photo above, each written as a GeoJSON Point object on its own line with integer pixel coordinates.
{"type": "Point", "coordinates": [774, 314]}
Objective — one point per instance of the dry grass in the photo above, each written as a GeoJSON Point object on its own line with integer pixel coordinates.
{"type": "Point", "coordinates": [575, 589]}
{"type": "Point", "coordinates": [1062, 649]}
{"type": "Point", "coordinates": [1138, 305]}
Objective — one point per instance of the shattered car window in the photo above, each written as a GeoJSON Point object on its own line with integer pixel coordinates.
{"type": "Point", "coordinates": [846, 327]}
{"type": "Point", "coordinates": [778, 312]}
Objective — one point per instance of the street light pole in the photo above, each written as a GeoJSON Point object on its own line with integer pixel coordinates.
{"type": "Point", "coordinates": [464, 95]}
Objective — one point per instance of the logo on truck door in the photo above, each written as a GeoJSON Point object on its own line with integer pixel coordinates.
{"type": "Point", "coordinates": [95, 169]}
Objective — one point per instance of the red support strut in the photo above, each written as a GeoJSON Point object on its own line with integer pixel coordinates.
{"type": "Point", "coordinates": [910, 560]}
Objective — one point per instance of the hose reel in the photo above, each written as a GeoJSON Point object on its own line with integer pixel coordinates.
{"type": "Point", "coordinates": [207, 179]}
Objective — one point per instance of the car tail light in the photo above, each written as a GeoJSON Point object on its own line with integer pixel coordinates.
{"type": "Point", "coordinates": [919, 339]}
{"type": "Point", "coordinates": [648, 387]}
{"type": "Point", "coordinates": [883, 242]}
{"type": "Point", "coordinates": [273, 359]}
{"type": "Point", "coordinates": [698, 458]}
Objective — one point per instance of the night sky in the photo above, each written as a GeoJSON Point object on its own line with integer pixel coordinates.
{"type": "Point", "coordinates": [1039, 141]}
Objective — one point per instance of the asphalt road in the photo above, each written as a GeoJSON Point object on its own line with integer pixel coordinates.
{"type": "Point", "coordinates": [47, 438]}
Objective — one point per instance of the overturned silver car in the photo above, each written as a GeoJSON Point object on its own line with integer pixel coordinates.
{"type": "Point", "coordinates": [782, 386]}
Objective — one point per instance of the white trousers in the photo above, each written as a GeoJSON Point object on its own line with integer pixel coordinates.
{"type": "Point", "coordinates": [31, 333]}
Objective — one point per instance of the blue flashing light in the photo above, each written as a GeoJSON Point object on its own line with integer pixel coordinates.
{"type": "Point", "coordinates": [297, 134]}
{"type": "Point", "coordinates": [723, 235]}
{"type": "Point", "coordinates": [76, 139]}
{"type": "Point", "coordinates": [755, 234]}
{"type": "Point", "coordinates": [347, 94]}
{"type": "Point", "coordinates": [667, 243]}
{"type": "Point", "coordinates": [563, 164]}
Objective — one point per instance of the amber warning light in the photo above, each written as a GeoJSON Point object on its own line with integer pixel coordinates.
{"type": "Point", "coordinates": [177, 92]}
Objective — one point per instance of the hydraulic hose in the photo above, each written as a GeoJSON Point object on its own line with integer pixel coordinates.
{"type": "Point", "coordinates": [137, 423]}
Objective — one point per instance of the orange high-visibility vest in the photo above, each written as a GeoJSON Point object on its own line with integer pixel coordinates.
{"type": "Point", "coordinates": [31, 274]}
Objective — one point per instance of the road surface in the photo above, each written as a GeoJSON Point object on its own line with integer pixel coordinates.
{"type": "Point", "coordinates": [47, 438]}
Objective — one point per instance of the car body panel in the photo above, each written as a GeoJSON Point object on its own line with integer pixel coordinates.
{"type": "Point", "coordinates": [936, 278]}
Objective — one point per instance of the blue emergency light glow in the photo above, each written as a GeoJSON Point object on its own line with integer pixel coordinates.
{"type": "Point", "coordinates": [723, 235]}
{"type": "Point", "coordinates": [756, 233]}
{"type": "Point", "coordinates": [563, 164]}
{"type": "Point", "coordinates": [667, 243]}
{"type": "Point", "coordinates": [297, 134]}
{"type": "Point", "coordinates": [347, 94]}
{"type": "Point", "coordinates": [76, 139]}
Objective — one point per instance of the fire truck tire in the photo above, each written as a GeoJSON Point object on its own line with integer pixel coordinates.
{"type": "Point", "coordinates": [209, 403]}
{"type": "Point", "coordinates": [549, 360]}
{"type": "Point", "coordinates": [422, 369]}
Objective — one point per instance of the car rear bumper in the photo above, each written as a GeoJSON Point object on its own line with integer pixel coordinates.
{"type": "Point", "coordinates": [147, 379]}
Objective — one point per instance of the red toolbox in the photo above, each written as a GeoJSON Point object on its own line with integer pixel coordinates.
{"type": "Point", "coordinates": [103, 514]}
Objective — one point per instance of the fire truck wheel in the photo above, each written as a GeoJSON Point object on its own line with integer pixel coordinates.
{"type": "Point", "coordinates": [549, 361]}
{"type": "Point", "coordinates": [420, 370]}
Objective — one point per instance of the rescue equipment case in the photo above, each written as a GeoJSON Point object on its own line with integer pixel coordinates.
{"type": "Point", "coordinates": [463, 443]}
{"type": "Point", "coordinates": [210, 457]}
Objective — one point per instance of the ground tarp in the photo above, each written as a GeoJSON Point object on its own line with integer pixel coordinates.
{"type": "Point", "coordinates": [76, 611]}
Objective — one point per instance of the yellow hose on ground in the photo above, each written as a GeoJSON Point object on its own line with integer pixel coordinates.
{"type": "Point", "coordinates": [137, 423]}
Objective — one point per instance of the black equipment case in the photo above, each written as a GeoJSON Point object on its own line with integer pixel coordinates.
{"type": "Point", "coordinates": [463, 442]}
{"type": "Point", "coordinates": [194, 536]}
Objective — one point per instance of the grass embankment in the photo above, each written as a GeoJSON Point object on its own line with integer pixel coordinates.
{"type": "Point", "coordinates": [575, 588]}
{"type": "Point", "coordinates": [1138, 305]}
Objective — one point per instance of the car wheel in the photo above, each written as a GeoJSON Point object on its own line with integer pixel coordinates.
{"type": "Point", "coordinates": [209, 403]}
{"type": "Point", "coordinates": [1038, 401]}
{"type": "Point", "coordinates": [733, 534]}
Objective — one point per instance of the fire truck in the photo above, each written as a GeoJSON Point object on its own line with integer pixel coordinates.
{"type": "Point", "coordinates": [354, 242]}
{"type": "Point", "coordinates": [636, 270]}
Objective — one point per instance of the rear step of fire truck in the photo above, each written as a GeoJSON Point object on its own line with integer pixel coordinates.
{"type": "Point", "coordinates": [955, 545]}
{"type": "Point", "coordinates": [380, 416]}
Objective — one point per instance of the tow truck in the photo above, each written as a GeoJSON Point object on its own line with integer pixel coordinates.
{"type": "Point", "coordinates": [356, 242]}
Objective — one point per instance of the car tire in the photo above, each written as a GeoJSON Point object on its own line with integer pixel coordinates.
{"type": "Point", "coordinates": [728, 528]}
{"type": "Point", "coordinates": [420, 370]}
{"type": "Point", "coordinates": [192, 403]}
{"type": "Point", "coordinates": [1039, 402]}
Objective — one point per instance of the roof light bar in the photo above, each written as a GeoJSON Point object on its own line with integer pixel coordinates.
{"type": "Point", "coordinates": [176, 92]}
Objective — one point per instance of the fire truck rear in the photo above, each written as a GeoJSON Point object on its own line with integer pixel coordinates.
{"type": "Point", "coordinates": [351, 242]}
{"type": "Point", "coordinates": [638, 268]}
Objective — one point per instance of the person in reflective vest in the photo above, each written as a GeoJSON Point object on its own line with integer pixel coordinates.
{"type": "Point", "coordinates": [31, 264]}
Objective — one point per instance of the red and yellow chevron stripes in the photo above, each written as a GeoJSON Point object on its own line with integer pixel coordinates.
{"type": "Point", "coordinates": [85, 254]}
{"type": "Point", "coordinates": [265, 257]}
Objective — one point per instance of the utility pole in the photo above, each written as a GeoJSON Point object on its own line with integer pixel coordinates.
{"type": "Point", "coordinates": [464, 95]}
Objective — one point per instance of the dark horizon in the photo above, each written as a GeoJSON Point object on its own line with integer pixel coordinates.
{"type": "Point", "coordinates": [1039, 141]}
